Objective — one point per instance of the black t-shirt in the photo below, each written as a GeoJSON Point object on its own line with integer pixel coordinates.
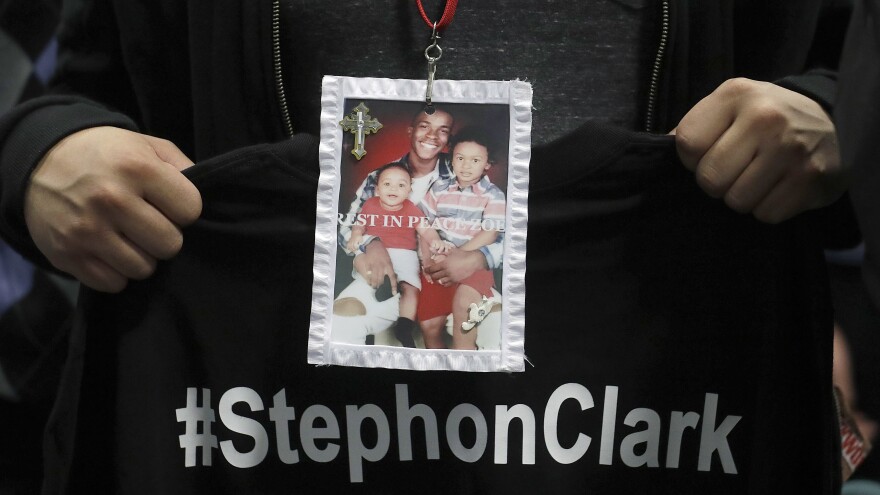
{"type": "Point", "coordinates": [587, 61]}
{"type": "Point", "coordinates": [675, 347]}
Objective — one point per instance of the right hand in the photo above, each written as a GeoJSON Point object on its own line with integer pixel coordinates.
{"type": "Point", "coordinates": [105, 204]}
{"type": "Point", "coordinates": [354, 244]}
{"type": "Point", "coordinates": [375, 264]}
{"type": "Point", "coordinates": [455, 266]}
{"type": "Point", "coordinates": [441, 247]}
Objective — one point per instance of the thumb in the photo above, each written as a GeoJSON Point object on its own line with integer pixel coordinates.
{"type": "Point", "coordinates": [169, 152]}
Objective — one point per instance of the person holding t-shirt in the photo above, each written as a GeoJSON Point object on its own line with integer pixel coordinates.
{"type": "Point", "coordinates": [91, 183]}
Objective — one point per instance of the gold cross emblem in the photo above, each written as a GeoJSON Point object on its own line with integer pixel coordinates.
{"type": "Point", "coordinates": [360, 124]}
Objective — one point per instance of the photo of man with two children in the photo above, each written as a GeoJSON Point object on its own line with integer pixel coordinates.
{"type": "Point", "coordinates": [421, 227]}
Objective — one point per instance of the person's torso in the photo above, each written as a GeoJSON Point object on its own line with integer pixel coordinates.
{"type": "Point", "coordinates": [675, 347]}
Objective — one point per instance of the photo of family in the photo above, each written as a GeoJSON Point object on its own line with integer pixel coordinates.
{"type": "Point", "coordinates": [421, 212]}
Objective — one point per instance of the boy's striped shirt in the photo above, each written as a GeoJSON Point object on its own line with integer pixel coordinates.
{"type": "Point", "coordinates": [460, 213]}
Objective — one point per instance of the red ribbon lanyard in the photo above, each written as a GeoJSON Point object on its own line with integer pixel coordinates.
{"type": "Point", "coordinates": [445, 19]}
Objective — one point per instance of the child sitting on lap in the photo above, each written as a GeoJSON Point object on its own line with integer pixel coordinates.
{"type": "Point", "coordinates": [393, 218]}
{"type": "Point", "coordinates": [468, 211]}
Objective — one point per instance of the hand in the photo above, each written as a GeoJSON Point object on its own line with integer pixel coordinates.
{"type": "Point", "coordinates": [353, 244]}
{"type": "Point", "coordinates": [105, 204]}
{"type": "Point", "coordinates": [375, 264]}
{"type": "Point", "coordinates": [766, 150]}
{"type": "Point", "coordinates": [457, 266]}
{"type": "Point", "coordinates": [441, 247]}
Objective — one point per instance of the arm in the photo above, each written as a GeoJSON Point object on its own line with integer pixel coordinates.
{"type": "Point", "coordinates": [80, 191]}
{"type": "Point", "coordinates": [371, 259]}
{"type": "Point", "coordinates": [495, 214]}
{"type": "Point", "coordinates": [457, 266]}
{"type": "Point", "coordinates": [357, 233]}
{"type": "Point", "coordinates": [429, 244]}
{"type": "Point", "coordinates": [375, 264]}
{"type": "Point", "coordinates": [366, 191]}
{"type": "Point", "coordinates": [484, 238]}
{"type": "Point", "coordinates": [88, 66]}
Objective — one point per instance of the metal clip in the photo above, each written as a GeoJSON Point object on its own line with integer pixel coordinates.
{"type": "Point", "coordinates": [432, 55]}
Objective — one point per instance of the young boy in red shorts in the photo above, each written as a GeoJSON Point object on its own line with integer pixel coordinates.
{"type": "Point", "coordinates": [468, 211]}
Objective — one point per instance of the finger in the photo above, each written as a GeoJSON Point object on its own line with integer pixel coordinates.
{"type": "Point", "coordinates": [124, 257]}
{"type": "Point", "coordinates": [431, 269]}
{"type": "Point", "coordinates": [726, 160]}
{"type": "Point", "coordinates": [782, 203]}
{"type": "Point", "coordinates": [703, 125]}
{"type": "Point", "coordinates": [150, 230]}
{"type": "Point", "coordinates": [168, 152]}
{"type": "Point", "coordinates": [376, 277]}
{"type": "Point", "coordinates": [436, 271]}
{"type": "Point", "coordinates": [172, 194]}
{"type": "Point", "coordinates": [98, 275]}
{"type": "Point", "coordinates": [761, 177]}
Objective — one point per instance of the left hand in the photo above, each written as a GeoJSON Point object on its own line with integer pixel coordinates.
{"type": "Point", "coordinates": [457, 266]}
{"type": "Point", "coordinates": [765, 149]}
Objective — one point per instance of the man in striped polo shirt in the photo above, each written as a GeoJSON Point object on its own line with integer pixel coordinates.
{"type": "Point", "coordinates": [468, 212]}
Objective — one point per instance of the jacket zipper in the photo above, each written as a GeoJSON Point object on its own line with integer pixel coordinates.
{"type": "Point", "coordinates": [653, 88]}
{"type": "Point", "coordinates": [276, 66]}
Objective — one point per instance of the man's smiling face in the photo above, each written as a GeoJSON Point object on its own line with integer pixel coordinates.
{"type": "Point", "coordinates": [429, 134]}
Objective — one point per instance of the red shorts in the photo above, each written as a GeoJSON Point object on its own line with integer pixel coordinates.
{"type": "Point", "coordinates": [436, 300]}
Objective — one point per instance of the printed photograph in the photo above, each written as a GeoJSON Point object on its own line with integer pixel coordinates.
{"type": "Point", "coordinates": [421, 222]}
{"type": "Point", "coordinates": [420, 197]}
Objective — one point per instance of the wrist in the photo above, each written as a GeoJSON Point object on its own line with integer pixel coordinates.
{"type": "Point", "coordinates": [371, 245]}
{"type": "Point", "coordinates": [478, 259]}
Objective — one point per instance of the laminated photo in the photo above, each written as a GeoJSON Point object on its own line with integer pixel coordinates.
{"type": "Point", "coordinates": [420, 239]}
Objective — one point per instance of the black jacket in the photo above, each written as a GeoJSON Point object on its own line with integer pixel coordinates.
{"type": "Point", "coordinates": [201, 74]}
{"type": "Point", "coordinates": [859, 125]}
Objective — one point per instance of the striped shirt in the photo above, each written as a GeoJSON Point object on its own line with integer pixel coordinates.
{"type": "Point", "coordinates": [458, 214]}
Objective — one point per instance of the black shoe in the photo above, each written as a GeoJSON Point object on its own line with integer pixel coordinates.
{"type": "Point", "coordinates": [403, 330]}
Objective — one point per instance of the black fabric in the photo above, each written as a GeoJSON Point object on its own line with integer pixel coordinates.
{"type": "Point", "coordinates": [859, 125]}
{"type": "Point", "coordinates": [33, 346]}
{"type": "Point", "coordinates": [34, 341]}
{"type": "Point", "coordinates": [710, 42]}
{"type": "Point", "coordinates": [558, 49]}
{"type": "Point", "coordinates": [635, 279]}
{"type": "Point", "coordinates": [200, 73]}
{"type": "Point", "coordinates": [859, 319]}
{"type": "Point", "coordinates": [29, 24]}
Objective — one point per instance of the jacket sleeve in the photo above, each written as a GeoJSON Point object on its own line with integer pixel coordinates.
{"type": "Point", "coordinates": [89, 69]}
{"type": "Point", "coordinates": [817, 84]}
